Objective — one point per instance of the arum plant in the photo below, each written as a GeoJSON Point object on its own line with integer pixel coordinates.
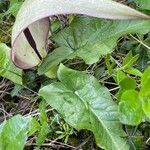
{"type": "Point", "coordinates": [30, 31]}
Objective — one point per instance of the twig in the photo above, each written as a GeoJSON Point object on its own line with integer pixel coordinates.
{"type": "Point", "coordinates": [83, 143]}
{"type": "Point", "coordinates": [116, 88]}
{"type": "Point", "coordinates": [141, 42]}
{"type": "Point", "coordinates": [148, 140]}
{"type": "Point", "coordinates": [38, 113]}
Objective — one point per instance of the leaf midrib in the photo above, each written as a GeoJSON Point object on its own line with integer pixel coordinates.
{"type": "Point", "coordinates": [99, 120]}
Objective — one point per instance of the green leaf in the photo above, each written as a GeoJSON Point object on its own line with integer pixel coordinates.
{"type": "Point", "coordinates": [130, 109]}
{"type": "Point", "coordinates": [145, 92]}
{"type": "Point", "coordinates": [7, 68]}
{"type": "Point", "coordinates": [54, 59]}
{"type": "Point", "coordinates": [146, 105]}
{"type": "Point", "coordinates": [85, 104]}
{"type": "Point", "coordinates": [43, 115]}
{"type": "Point", "coordinates": [109, 65]}
{"type": "Point", "coordinates": [129, 60]}
{"type": "Point", "coordinates": [13, 133]}
{"type": "Point", "coordinates": [55, 25]}
{"type": "Point", "coordinates": [16, 90]}
{"type": "Point", "coordinates": [133, 71]}
{"type": "Point", "coordinates": [14, 7]}
{"type": "Point", "coordinates": [145, 77]}
{"type": "Point", "coordinates": [52, 73]}
{"type": "Point", "coordinates": [33, 126]}
{"type": "Point", "coordinates": [143, 4]}
{"type": "Point", "coordinates": [91, 38]}
{"type": "Point", "coordinates": [35, 20]}
{"type": "Point", "coordinates": [44, 129]}
{"type": "Point", "coordinates": [120, 75]}
{"type": "Point", "coordinates": [126, 83]}
{"type": "Point", "coordinates": [145, 82]}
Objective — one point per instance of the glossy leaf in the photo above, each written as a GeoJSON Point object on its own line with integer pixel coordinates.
{"type": "Point", "coordinates": [7, 68]}
{"type": "Point", "coordinates": [13, 133]}
{"type": "Point", "coordinates": [130, 109]}
{"type": "Point", "coordinates": [34, 14]}
{"type": "Point", "coordinates": [85, 104]}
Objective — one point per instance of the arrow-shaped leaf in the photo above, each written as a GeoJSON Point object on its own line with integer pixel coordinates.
{"type": "Point", "coordinates": [85, 104]}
